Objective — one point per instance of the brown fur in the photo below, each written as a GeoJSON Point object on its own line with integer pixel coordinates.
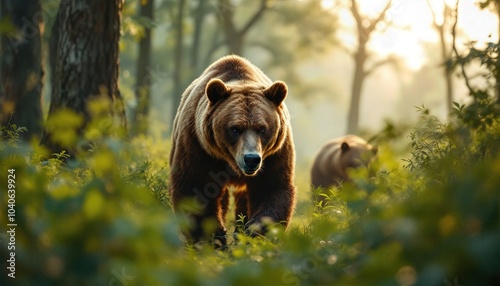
{"type": "Point", "coordinates": [229, 114]}
{"type": "Point", "coordinates": [334, 159]}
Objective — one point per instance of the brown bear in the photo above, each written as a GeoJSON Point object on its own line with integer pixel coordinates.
{"type": "Point", "coordinates": [232, 128]}
{"type": "Point", "coordinates": [335, 158]}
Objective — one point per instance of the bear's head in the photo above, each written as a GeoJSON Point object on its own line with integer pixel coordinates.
{"type": "Point", "coordinates": [356, 152]}
{"type": "Point", "coordinates": [245, 122]}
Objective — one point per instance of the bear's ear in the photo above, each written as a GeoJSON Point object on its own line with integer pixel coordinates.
{"type": "Point", "coordinates": [276, 92]}
{"type": "Point", "coordinates": [375, 150]}
{"type": "Point", "coordinates": [344, 147]}
{"type": "Point", "coordinates": [216, 90]}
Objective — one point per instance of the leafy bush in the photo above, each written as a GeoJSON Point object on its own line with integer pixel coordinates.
{"type": "Point", "coordinates": [105, 219]}
{"type": "Point", "coordinates": [89, 221]}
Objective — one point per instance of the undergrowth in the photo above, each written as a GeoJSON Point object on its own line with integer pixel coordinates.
{"type": "Point", "coordinates": [104, 218]}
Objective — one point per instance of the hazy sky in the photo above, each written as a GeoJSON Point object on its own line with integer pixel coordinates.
{"type": "Point", "coordinates": [387, 93]}
{"type": "Point", "coordinates": [414, 22]}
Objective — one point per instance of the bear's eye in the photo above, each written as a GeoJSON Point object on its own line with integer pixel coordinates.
{"type": "Point", "coordinates": [262, 131]}
{"type": "Point", "coordinates": [235, 130]}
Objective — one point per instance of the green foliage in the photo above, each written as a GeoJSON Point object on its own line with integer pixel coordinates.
{"type": "Point", "coordinates": [430, 142]}
{"type": "Point", "coordinates": [312, 25]}
{"type": "Point", "coordinates": [134, 25]}
{"type": "Point", "coordinates": [6, 27]}
{"type": "Point", "coordinates": [104, 218]}
{"type": "Point", "coordinates": [484, 111]}
{"type": "Point", "coordinates": [11, 135]}
{"type": "Point", "coordinates": [86, 221]}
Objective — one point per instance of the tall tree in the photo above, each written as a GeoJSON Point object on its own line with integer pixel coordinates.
{"type": "Point", "coordinates": [365, 28]}
{"type": "Point", "coordinates": [21, 66]}
{"type": "Point", "coordinates": [234, 36]}
{"type": "Point", "coordinates": [178, 67]}
{"type": "Point", "coordinates": [494, 5]}
{"type": "Point", "coordinates": [444, 28]}
{"type": "Point", "coordinates": [143, 83]}
{"type": "Point", "coordinates": [53, 40]}
{"type": "Point", "coordinates": [199, 18]}
{"type": "Point", "coordinates": [86, 66]}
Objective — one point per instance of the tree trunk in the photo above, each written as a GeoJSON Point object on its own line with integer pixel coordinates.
{"type": "Point", "coordinates": [356, 89]}
{"type": "Point", "coordinates": [143, 80]}
{"type": "Point", "coordinates": [449, 90]}
{"type": "Point", "coordinates": [447, 72]}
{"type": "Point", "coordinates": [54, 39]}
{"type": "Point", "coordinates": [497, 6]}
{"type": "Point", "coordinates": [198, 31]}
{"type": "Point", "coordinates": [235, 37]}
{"type": "Point", "coordinates": [86, 69]}
{"type": "Point", "coordinates": [21, 67]}
{"type": "Point", "coordinates": [234, 40]}
{"type": "Point", "coordinates": [445, 54]}
{"type": "Point", "coordinates": [178, 88]}
{"type": "Point", "coordinates": [365, 27]}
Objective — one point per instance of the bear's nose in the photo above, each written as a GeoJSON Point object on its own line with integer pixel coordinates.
{"type": "Point", "coordinates": [252, 160]}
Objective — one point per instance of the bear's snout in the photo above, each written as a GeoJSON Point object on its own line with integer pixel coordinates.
{"type": "Point", "coordinates": [252, 162]}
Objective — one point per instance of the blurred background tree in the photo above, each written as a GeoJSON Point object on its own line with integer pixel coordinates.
{"type": "Point", "coordinates": [365, 27]}
{"type": "Point", "coordinates": [234, 36]}
{"type": "Point", "coordinates": [86, 67]}
{"type": "Point", "coordinates": [443, 24]}
{"type": "Point", "coordinates": [494, 5]}
{"type": "Point", "coordinates": [178, 88]}
{"type": "Point", "coordinates": [139, 123]}
{"type": "Point", "coordinates": [21, 66]}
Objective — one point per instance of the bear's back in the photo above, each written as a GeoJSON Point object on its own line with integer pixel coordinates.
{"type": "Point", "coordinates": [330, 165]}
{"type": "Point", "coordinates": [234, 68]}
{"type": "Point", "coordinates": [323, 170]}
{"type": "Point", "coordinates": [230, 69]}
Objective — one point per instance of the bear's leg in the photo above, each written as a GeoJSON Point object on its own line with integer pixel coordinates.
{"type": "Point", "coordinates": [271, 194]}
{"type": "Point", "coordinates": [201, 202]}
{"type": "Point", "coordinates": [224, 205]}
{"type": "Point", "coordinates": [270, 203]}
{"type": "Point", "coordinates": [211, 214]}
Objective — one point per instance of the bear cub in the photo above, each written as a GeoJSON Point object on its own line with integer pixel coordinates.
{"type": "Point", "coordinates": [232, 128]}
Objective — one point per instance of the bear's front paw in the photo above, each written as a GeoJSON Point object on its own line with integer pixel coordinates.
{"type": "Point", "coordinates": [219, 239]}
{"type": "Point", "coordinates": [261, 226]}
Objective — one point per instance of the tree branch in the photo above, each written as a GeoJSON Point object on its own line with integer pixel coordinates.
{"type": "Point", "coordinates": [215, 46]}
{"type": "Point", "coordinates": [356, 15]}
{"type": "Point", "coordinates": [434, 22]}
{"type": "Point", "coordinates": [364, 32]}
{"type": "Point", "coordinates": [378, 64]}
{"type": "Point", "coordinates": [381, 16]}
{"type": "Point", "coordinates": [255, 17]}
{"type": "Point", "coordinates": [454, 45]}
